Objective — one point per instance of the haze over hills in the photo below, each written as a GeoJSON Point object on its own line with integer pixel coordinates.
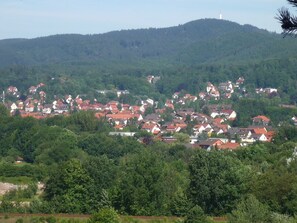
{"type": "Point", "coordinates": [197, 42]}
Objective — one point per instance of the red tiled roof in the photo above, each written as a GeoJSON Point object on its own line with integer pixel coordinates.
{"type": "Point", "coordinates": [259, 130]}
{"type": "Point", "coordinates": [229, 145]}
{"type": "Point", "coordinates": [262, 117]}
{"type": "Point", "coordinates": [121, 116]}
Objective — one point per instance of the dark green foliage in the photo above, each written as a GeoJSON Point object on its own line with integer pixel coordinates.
{"type": "Point", "coordinates": [112, 147]}
{"type": "Point", "coordinates": [278, 189]}
{"type": "Point", "coordinates": [11, 170]}
{"type": "Point", "coordinates": [286, 133]}
{"type": "Point", "coordinates": [217, 182]}
{"type": "Point", "coordinates": [70, 189]}
{"type": "Point", "coordinates": [84, 121]}
{"type": "Point", "coordinates": [102, 170]}
{"type": "Point", "coordinates": [146, 185]}
{"type": "Point", "coordinates": [226, 41]}
{"type": "Point", "coordinates": [196, 215]}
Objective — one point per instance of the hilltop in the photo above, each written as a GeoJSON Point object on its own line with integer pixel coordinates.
{"type": "Point", "coordinates": [197, 42]}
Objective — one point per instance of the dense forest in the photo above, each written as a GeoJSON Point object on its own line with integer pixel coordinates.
{"type": "Point", "coordinates": [196, 42]}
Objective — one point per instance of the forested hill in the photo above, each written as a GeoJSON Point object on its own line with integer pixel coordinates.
{"type": "Point", "coordinates": [197, 42]}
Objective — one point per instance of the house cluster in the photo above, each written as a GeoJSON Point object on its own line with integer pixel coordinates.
{"type": "Point", "coordinates": [200, 127]}
{"type": "Point", "coordinates": [117, 92]}
{"type": "Point", "coordinates": [164, 124]}
{"type": "Point", "coordinates": [235, 137]}
{"type": "Point", "coordinates": [266, 91]}
{"type": "Point", "coordinates": [33, 102]}
{"type": "Point", "coordinates": [223, 90]}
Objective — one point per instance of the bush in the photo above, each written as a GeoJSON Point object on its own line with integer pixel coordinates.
{"type": "Point", "coordinates": [250, 210]}
{"type": "Point", "coordinates": [196, 215]}
{"type": "Point", "coordinates": [105, 215]}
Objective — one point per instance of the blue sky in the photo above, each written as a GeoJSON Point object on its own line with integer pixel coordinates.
{"type": "Point", "coordinates": [35, 18]}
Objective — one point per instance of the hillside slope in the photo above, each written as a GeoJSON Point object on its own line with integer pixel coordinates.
{"type": "Point", "coordinates": [200, 41]}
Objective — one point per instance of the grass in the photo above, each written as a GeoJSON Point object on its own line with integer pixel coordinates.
{"type": "Point", "coordinates": [21, 180]}
{"type": "Point", "coordinates": [26, 218]}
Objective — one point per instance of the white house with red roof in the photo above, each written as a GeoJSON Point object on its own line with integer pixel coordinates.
{"type": "Point", "coordinates": [151, 127]}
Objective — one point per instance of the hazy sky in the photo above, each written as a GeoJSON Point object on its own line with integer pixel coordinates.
{"type": "Point", "coordinates": [34, 18]}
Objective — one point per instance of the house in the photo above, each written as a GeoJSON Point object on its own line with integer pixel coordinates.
{"type": "Point", "coordinates": [29, 108]}
{"type": "Point", "coordinates": [242, 134]}
{"type": "Point", "coordinates": [229, 146]}
{"type": "Point", "coordinates": [13, 107]}
{"type": "Point", "coordinates": [210, 144]}
{"type": "Point", "coordinates": [269, 135]}
{"type": "Point", "coordinates": [47, 109]}
{"type": "Point", "coordinates": [32, 90]}
{"type": "Point", "coordinates": [124, 92]}
{"type": "Point", "coordinates": [201, 118]}
{"type": "Point", "coordinates": [153, 118]}
{"type": "Point", "coordinates": [294, 119]}
{"type": "Point", "coordinates": [215, 114]}
{"type": "Point", "coordinates": [270, 90]}
{"type": "Point", "coordinates": [20, 105]}
{"type": "Point", "coordinates": [261, 120]}
{"type": "Point", "coordinates": [169, 104]}
{"type": "Point", "coordinates": [124, 134]}
{"type": "Point", "coordinates": [212, 91]}
{"type": "Point", "coordinates": [198, 129]}
{"type": "Point", "coordinates": [78, 100]}
{"type": "Point", "coordinates": [176, 95]}
{"type": "Point", "coordinates": [123, 118]}
{"type": "Point", "coordinates": [210, 87]}
{"type": "Point", "coordinates": [42, 95]}
{"type": "Point", "coordinates": [240, 81]}
{"type": "Point", "coordinates": [135, 109]}
{"type": "Point", "coordinates": [61, 108]}
{"type": "Point", "coordinates": [226, 87]}
{"type": "Point", "coordinates": [191, 98]}
{"type": "Point", "coordinates": [202, 95]}
{"type": "Point", "coordinates": [172, 128]}
{"type": "Point", "coordinates": [229, 114]}
{"type": "Point", "coordinates": [40, 85]}
{"type": "Point", "coordinates": [259, 130]}
{"type": "Point", "coordinates": [151, 127]}
{"type": "Point", "coordinates": [12, 90]}
{"type": "Point", "coordinates": [219, 128]}
{"type": "Point", "coordinates": [68, 99]}
{"type": "Point", "coordinates": [259, 137]}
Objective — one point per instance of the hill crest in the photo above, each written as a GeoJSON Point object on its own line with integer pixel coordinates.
{"type": "Point", "coordinates": [199, 41]}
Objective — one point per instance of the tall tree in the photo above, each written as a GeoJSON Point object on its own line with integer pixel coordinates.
{"type": "Point", "coordinates": [70, 189]}
{"type": "Point", "coordinates": [217, 181]}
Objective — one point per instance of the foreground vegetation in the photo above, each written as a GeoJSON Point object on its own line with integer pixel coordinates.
{"type": "Point", "coordinates": [86, 170]}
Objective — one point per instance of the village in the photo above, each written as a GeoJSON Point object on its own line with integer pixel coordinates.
{"type": "Point", "coordinates": [209, 129]}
